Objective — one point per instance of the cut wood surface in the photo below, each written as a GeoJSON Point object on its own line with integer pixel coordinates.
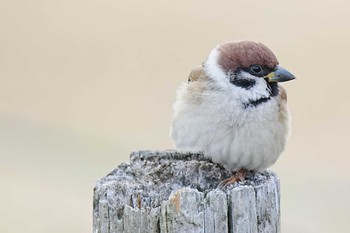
{"type": "Point", "coordinates": [170, 191]}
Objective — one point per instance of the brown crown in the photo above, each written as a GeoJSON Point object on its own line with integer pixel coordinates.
{"type": "Point", "coordinates": [243, 54]}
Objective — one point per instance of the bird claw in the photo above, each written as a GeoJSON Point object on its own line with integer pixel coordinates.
{"type": "Point", "coordinates": [238, 176]}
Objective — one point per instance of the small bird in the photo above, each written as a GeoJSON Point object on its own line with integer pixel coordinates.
{"type": "Point", "coordinates": [233, 109]}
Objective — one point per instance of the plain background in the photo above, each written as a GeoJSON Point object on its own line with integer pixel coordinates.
{"type": "Point", "coordinates": [83, 83]}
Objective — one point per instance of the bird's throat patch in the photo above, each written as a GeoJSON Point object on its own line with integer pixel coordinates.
{"type": "Point", "coordinates": [254, 103]}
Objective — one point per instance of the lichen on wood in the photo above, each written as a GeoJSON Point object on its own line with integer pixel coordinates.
{"type": "Point", "coordinates": [171, 191]}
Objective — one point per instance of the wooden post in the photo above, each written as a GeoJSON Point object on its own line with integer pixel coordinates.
{"type": "Point", "coordinates": [169, 191]}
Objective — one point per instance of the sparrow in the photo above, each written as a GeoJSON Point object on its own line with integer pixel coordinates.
{"type": "Point", "coordinates": [233, 109]}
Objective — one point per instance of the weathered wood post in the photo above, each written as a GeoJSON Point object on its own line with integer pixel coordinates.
{"type": "Point", "coordinates": [169, 191]}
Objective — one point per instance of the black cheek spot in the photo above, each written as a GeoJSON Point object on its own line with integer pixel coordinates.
{"type": "Point", "coordinates": [243, 83]}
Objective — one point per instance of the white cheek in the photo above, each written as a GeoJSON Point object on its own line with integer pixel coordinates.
{"type": "Point", "coordinates": [214, 71]}
{"type": "Point", "coordinates": [259, 90]}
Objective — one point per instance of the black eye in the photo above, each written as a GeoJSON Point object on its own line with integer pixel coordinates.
{"type": "Point", "coordinates": [256, 70]}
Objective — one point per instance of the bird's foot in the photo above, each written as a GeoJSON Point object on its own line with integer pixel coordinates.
{"type": "Point", "coordinates": [238, 176]}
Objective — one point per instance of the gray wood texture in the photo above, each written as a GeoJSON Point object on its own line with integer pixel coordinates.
{"type": "Point", "coordinates": [170, 191]}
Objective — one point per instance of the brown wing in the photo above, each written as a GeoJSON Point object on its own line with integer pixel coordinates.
{"type": "Point", "coordinates": [283, 95]}
{"type": "Point", "coordinates": [283, 110]}
{"type": "Point", "coordinates": [197, 74]}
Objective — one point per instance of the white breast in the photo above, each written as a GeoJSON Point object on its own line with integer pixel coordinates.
{"type": "Point", "coordinates": [237, 137]}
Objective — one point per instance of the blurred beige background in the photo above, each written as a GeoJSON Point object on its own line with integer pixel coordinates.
{"type": "Point", "coordinates": [83, 83]}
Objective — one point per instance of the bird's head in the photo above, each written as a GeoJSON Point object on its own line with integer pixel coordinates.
{"type": "Point", "coordinates": [248, 67]}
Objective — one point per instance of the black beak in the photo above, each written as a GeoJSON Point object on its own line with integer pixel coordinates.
{"type": "Point", "coordinates": [280, 75]}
